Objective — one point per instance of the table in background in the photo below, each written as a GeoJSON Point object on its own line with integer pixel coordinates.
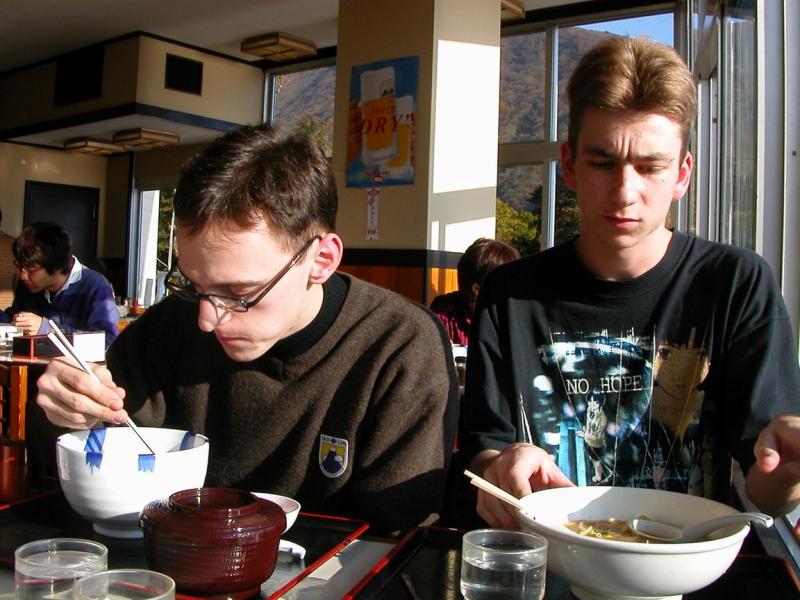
{"type": "Point", "coordinates": [14, 376]}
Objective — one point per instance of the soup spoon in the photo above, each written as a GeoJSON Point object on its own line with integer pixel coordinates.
{"type": "Point", "coordinates": [667, 533]}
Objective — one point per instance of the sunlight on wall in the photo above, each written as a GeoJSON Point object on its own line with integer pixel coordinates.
{"type": "Point", "coordinates": [465, 148]}
{"type": "Point", "coordinates": [458, 236]}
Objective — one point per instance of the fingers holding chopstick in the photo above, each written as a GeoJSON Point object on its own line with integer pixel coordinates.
{"type": "Point", "coordinates": [72, 398]}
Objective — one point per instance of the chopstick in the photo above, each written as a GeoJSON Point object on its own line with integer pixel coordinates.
{"type": "Point", "coordinates": [490, 488]}
{"type": "Point", "coordinates": [67, 349]}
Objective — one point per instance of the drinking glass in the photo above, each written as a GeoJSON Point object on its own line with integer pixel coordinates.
{"type": "Point", "coordinates": [125, 584]}
{"type": "Point", "coordinates": [49, 568]}
{"type": "Point", "coordinates": [503, 564]}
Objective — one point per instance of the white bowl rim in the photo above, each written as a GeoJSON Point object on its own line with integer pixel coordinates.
{"type": "Point", "coordinates": [77, 432]}
{"type": "Point", "coordinates": [277, 499]}
{"type": "Point", "coordinates": [562, 533]}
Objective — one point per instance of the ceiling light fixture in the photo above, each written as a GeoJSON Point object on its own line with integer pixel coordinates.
{"type": "Point", "coordinates": [144, 139]}
{"type": "Point", "coordinates": [511, 9]}
{"type": "Point", "coordinates": [279, 47]}
{"type": "Point", "coordinates": [94, 147]}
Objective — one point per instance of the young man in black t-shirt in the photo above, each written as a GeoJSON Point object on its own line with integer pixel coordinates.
{"type": "Point", "coordinates": [632, 355]}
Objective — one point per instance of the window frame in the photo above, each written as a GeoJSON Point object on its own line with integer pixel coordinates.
{"type": "Point", "coordinates": [548, 151]}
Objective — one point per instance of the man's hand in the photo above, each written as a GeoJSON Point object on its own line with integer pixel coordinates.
{"type": "Point", "coordinates": [773, 482]}
{"type": "Point", "coordinates": [71, 398]}
{"type": "Point", "coordinates": [519, 469]}
{"type": "Point", "coordinates": [28, 322]}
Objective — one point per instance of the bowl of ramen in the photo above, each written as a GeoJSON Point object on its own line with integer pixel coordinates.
{"type": "Point", "coordinates": [591, 547]}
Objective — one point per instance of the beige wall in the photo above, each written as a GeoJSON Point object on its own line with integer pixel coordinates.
{"type": "Point", "coordinates": [367, 35]}
{"type": "Point", "coordinates": [158, 168]}
{"type": "Point", "coordinates": [20, 163]}
{"type": "Point", "coordinates": [26, 96]}
{"type": "Point", "coordinates": [133, 71]}
{"type": "Point", "coordinates": [426, 215]}
{"type": "Point", "coordinates": [232, 91]}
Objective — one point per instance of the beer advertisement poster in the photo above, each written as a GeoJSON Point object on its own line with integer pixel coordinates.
{"type": "Point", "coordinates": [381, 123]}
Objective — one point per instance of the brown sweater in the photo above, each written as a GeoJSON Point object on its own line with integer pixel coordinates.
{"type": "Point", "coordinates": [379, 375]}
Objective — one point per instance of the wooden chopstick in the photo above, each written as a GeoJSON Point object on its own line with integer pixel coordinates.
{"type": "Point", "coordinates": [64, 346]}
{"type": "Point", "coordinates": [490, 488]}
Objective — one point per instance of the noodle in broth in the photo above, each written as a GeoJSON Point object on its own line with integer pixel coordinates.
{"type": "Point", "coordinates": [607, 529]}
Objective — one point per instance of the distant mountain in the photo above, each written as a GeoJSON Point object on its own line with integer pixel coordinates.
{"type": "Point", "coordinates": [522, 98]}
{"type": "Point", "coordinates": [306, 93]}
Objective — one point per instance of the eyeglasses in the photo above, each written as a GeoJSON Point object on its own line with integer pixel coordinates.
{"type": "Point", "coordinates": [184, 289]}
{"type": "Point", "coordinates": [29, 269]}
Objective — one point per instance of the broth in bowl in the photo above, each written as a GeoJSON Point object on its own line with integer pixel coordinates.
{"type": "Point", "coordinates": [608, 529]}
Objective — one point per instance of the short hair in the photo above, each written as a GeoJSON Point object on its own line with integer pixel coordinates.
{"type": "Point", "coordinates": [48, 245]}
{"type": "Point", "coordinates": [482, 256]}
{"type": "Point", "coordinates": [623, 73]}
{"type": "Point", "coordinates": [253, 174]}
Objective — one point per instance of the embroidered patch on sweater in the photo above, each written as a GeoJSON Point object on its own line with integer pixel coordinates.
{"type": "Point", "coordinates": [332, 455]}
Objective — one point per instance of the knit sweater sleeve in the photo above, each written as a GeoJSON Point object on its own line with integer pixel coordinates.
{"type": "Point", "coordinates": [407, 436]}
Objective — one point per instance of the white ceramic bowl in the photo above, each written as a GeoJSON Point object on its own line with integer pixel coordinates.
{"type": "Point", "coordinates": [290, 506]}
{"type": "Point", "coordinates": [108, 476]}
{"type": "Point", "coordinates": [601, 570]}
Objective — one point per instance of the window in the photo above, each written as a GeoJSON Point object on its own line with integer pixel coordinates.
{"type": "Point", "coordinates": [738, 127]}
{"type": "Point", "coordinates": [155, 245]}
{"type": "Point", "coordinates": [522, 90]}
{"type": "Point", "coordinates": [534, 118]}
{"type": "Point", "coordinates": [303, 102]}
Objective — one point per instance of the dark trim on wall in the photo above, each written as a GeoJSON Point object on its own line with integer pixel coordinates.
{"type": "Point", "coordinates": [186, 118]}
{"type": "Point", "coordinates": [126, 36]}
{"type": "Point", "coordinates": [390, 257]}
{"type": "Point", "coordinates": [124, 110]}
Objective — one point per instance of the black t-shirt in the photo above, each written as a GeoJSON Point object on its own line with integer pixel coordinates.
{"type": "Point", "coordinates": [654, 382]}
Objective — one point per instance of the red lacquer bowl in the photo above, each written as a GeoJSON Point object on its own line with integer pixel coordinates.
{"type": "Point", "coordinates": [213, 541]}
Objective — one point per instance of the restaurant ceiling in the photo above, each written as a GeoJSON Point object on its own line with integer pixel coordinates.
{"type": "Point", "coordinates": [35, 31]}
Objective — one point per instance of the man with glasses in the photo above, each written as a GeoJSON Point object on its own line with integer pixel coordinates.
{"type": "Point", "coordinates": [308, 382]}
{"type": "Point", "coordinates": [53, 284]}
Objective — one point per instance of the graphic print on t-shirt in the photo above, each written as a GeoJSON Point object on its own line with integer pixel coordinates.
{"type": "Point", "coordinates": [622, 409]}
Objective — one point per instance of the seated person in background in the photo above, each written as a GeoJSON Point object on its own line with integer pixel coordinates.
{"type": "Point", "coordinates": [633, 355]}
{"type": "Point", "coordinates": [308, 382]}
{"type": "Point", "coordinates": [53, 284]}
{"type": "Point", "coordinates": [455, 309]}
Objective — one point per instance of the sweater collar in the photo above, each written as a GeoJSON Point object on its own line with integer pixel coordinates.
{"type": "Point", "coordinates": [334, 293]}
{"type": "Point", "coordinates": [75, 274]}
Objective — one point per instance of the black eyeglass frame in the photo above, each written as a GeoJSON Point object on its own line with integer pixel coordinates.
{"type": "Point", "coordinates": [237, 303]}
{"type": "Point", "coordinates": [29, 268]}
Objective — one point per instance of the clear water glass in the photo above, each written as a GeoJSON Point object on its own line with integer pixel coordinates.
{"type": "Point", "coordinates": [49, 568]}
{"type": "Point", "coordinates": [125, 584]}
{"type": "Point", "coordinates": [503, 564]}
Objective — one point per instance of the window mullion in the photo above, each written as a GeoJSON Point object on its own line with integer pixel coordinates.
{"type": "Point", "coordinates": [551, 136]}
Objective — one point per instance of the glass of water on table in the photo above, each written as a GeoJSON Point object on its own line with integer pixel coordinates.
{"type": "Point", "coordinates": [49, 568]}
{"type": "Point", "coordinates": [503, 564]}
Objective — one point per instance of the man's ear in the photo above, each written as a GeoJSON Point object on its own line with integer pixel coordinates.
{"type": "Point", "coordinates": [327, 258]}
{"type": "Point", "coordinates": [568, 166]}
{"type": "Point", "coordinates": [684, 176]}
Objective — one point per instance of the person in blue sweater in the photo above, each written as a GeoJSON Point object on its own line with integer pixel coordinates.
{"type": "Point", "coordinates": [53, 284]}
